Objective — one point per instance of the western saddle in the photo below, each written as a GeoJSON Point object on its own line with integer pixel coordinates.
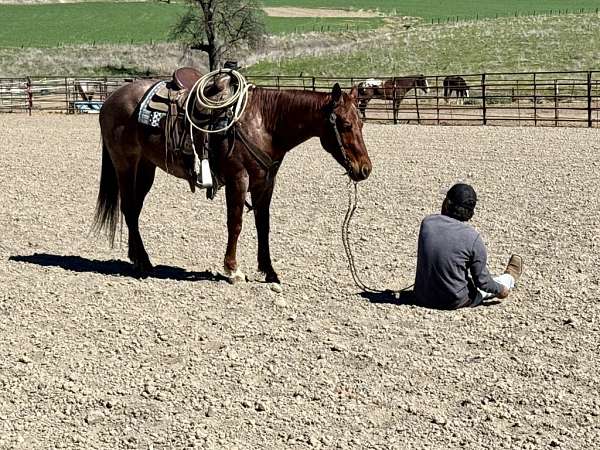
{"type": "Point", "coordinates": [164, 107]}
{"type": "Point", "coordinates": [185, 77]}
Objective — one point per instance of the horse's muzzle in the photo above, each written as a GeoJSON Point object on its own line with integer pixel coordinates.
{"type": "Point", "coordinates": [360, 173]}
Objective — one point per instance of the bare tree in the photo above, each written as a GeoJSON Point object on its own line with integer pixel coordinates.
{"type": "Point", "coordinates": [219, 27]}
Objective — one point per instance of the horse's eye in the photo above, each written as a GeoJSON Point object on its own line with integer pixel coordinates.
{"type": "Point", "coordinates": [346, 126]}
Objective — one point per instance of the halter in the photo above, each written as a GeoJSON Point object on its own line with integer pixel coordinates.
{"type": "Point", "coordinates": [333, 121]}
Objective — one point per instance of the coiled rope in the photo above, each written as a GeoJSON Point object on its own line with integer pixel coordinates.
{"type": "Point", "coordinates": [352, 205]}
{"type": "Point", "coordinates": [239, 98]}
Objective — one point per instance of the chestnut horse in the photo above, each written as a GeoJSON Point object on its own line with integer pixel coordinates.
{"type": "Point", "coordinates": [394, 89]}
{"type": "Point", "coordinates": [274, 122]}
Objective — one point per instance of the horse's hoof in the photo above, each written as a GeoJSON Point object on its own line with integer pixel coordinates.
{"type": "Point", "coordinates": [142, 269]}
{"type": "Point", "coordinates": [236, 276]}
{"type": "Point", "coordinates": [272, 278]}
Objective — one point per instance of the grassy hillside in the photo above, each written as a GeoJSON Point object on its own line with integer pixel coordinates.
{"type": "Point", "coordinates": [435, 8]}
{"type": "Point", "coordinates": [49, 25]}
{"type": "Point", "coordinates": [279, 25]}
{"type": "Point", "coordinates": [568, 42]}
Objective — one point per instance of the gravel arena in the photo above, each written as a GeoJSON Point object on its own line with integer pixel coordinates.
{"type": "Point", "coordinates": [92, 358]}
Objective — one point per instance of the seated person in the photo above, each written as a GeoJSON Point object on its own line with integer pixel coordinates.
{"type": "Point", "coordinates": [452, 258]}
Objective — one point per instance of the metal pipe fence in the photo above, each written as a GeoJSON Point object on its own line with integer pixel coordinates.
{"type": "Point", "coordinates": [530, 99]}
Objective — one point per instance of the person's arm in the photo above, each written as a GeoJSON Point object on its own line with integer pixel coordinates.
{"type": "Point", "coordinates": [479, 272]}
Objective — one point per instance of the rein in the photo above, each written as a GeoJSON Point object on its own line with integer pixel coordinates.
{"type": "Point", "coordinates": [352, 205]}
{"type": "Point", "coordinates": [268, 163]}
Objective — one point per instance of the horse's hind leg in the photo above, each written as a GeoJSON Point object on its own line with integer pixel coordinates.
{"type": "Point", "coordinates": [134, 185]}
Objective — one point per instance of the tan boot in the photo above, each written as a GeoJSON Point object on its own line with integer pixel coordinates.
{"type": "Point", "coordinates": [514, 267]}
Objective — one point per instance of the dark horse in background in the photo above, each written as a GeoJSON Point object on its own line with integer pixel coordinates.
{"type": "Point", "coordinates": [274, 121]}
{"type": "Point", "coordinates": [455, 83]}
{"type": "Point", "coordinates": [394, 89]}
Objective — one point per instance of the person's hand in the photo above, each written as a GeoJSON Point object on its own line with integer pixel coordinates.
{"type": "Point", "coordinates": [503, 293]}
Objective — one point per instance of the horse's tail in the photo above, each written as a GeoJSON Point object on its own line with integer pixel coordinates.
{"type": "Point", "coordinates": [107, 204]}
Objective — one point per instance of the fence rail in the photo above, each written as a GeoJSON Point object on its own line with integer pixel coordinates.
{"type": "Point", "coordinates": [536, 98]}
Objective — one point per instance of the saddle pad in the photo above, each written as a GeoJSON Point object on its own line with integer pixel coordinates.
{"type": "Point", "coordinates": [159, 101]}
{"type": "Point", "coordinates": [149, 115]}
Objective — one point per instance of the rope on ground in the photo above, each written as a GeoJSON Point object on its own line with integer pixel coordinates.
{"type": "Point", "coordinates": [352, 205]}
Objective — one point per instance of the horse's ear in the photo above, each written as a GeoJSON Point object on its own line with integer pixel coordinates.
{"type": "Point", "coordinates": [354, 92]}
{"type": "Point", "coordinates": [336, 93]}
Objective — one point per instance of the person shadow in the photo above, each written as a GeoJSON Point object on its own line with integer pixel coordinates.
{"type": "Point", "coordinates": [114, 267]}
{"type": "Point", "coordinates": [404, 297]}
{"type": "Point", "coordinates": [407, 297]}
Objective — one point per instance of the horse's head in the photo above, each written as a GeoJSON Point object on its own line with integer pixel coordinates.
{"type": "Point", "coordinates": [421, 82]}
{"type": "Point", "coordinates": [342, 134]}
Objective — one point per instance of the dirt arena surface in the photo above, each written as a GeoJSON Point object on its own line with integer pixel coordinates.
{"type": "Point", "coordinates": [91, 358]}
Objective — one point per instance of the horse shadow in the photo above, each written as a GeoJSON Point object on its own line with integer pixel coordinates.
{"type": "Point", "coordinates": [407, 298]}
{"type": "Point", "coordinates": [114, 267]}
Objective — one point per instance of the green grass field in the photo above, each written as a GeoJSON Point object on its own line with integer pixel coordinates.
{"type": "Point", "coordinates": [53, 34]}
{"type": "Point", "coordinates": [569, 42]}
{"type": "Point", "coordinates": [429, 9]}
{"type": "Point", "coordinates": [50, 25]}
{"type": "Point", "coordinates": [279, 25]}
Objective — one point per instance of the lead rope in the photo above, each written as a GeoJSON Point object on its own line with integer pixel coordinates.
{"type": "Point", "coordinates": [352, 205]}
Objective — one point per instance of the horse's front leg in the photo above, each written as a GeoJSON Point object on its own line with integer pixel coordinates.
{"type": "Point", "coordinates": [261, 200]}
{"type": "Point", "coordinates": [235, 194]}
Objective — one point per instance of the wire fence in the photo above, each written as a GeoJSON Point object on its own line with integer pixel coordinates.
{"type": "Point", "coordinates": [517, 13]}
{"type": "Point", "coordinates": [532, 99]}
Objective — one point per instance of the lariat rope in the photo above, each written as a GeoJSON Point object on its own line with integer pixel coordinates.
{"type": "Point", "coordinates": [239, 98]}
{"type": "Point", "coordinates": [352, 205]}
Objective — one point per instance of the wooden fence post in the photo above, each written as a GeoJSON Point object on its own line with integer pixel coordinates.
{"type": "Point", "coordinates": [483, 99]}
{"type": "Point", "coordinates": [589, 98]}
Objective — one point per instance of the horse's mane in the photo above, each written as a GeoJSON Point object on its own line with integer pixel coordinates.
{"type": "Point", "coordinates": [275, 105]}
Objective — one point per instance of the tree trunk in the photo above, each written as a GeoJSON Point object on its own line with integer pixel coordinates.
{"type": "Point", "coordinates": [211, 35]}
{"type": "Point", "coordinates": [214, 56]}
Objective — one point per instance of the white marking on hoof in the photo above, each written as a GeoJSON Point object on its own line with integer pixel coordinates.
{"type": "Point", "coordinates": [235, 276]}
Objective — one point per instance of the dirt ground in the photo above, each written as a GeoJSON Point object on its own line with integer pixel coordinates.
{"type": "Point", "coordinates": [91, 358]}
{"type": "Point", "coordinates": [316, 12]}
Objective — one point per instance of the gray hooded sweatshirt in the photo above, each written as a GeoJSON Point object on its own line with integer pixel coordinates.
{"type": "Point", "coordinates": [449, 251]}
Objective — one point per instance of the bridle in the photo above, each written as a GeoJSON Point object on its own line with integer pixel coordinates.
{"type": "Point", "coordinates": [332, 119]}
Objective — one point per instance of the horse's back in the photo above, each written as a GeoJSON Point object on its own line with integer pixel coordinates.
{"type": "Point", "coordinates": [123, 101]}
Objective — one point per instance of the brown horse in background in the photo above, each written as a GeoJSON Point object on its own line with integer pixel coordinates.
{"type": "Point", "coordinates": [274, 121]}
{"type": "Point", "coordinates": [394, 89]}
